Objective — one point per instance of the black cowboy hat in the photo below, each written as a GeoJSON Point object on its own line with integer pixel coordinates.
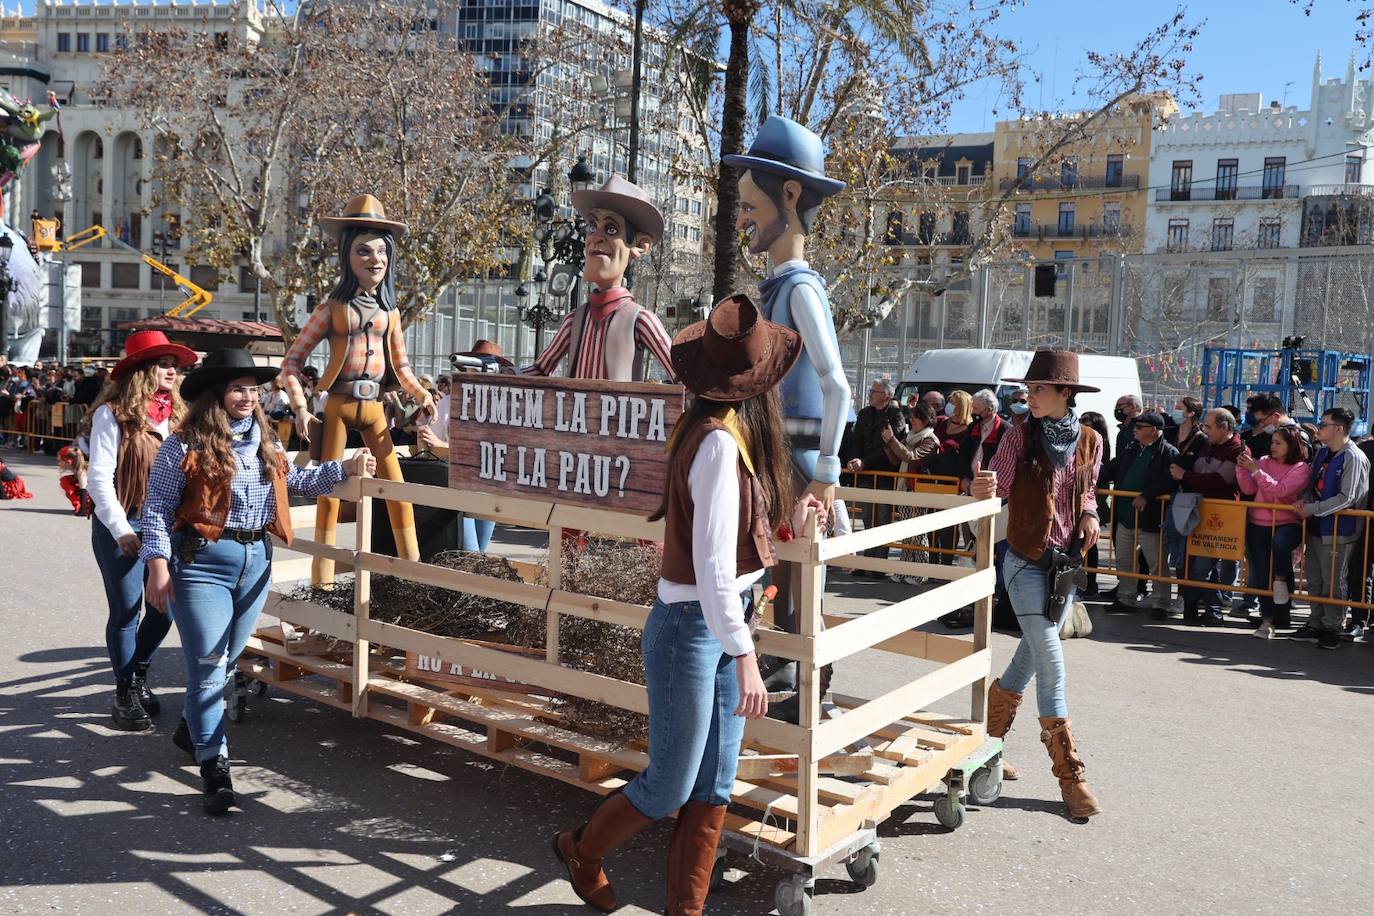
{"type": "Point", "coordinates": [735, 354]}
{"type": "Point", "coordinates": [224, 366]}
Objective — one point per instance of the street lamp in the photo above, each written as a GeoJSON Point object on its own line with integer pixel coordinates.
{"type": "Point", "coordinates": [580, 176]}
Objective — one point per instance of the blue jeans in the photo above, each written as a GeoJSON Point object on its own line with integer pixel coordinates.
{"type": "Point", "coordinates": [1270, 554]}
{"type": "Point", "coordinates": [1200, 569]}
{"type": "Point", "coordinates": [130, 641]}
{"type": "Point", "coordinates": [477, 533]}
{"type": "Point", "coordinates": [1039, 654]}
{"type": "Point", "coordinates": [694, 734]}
{"type": "Point", "coordinates": [216, 601]}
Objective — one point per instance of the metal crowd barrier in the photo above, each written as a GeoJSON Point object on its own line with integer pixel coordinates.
{"type": "Point", "coordinates": [942, 547]}
{"type": "Point", "coordinates": [45, 422]}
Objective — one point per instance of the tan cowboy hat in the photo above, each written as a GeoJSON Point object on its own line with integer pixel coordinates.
{"type": "Point", "coordinates": [1054, 367]}
{"type": "Point", "coordinates": [619, 196]}
{"type": "Point", "coordinates": [734, 354]}
{"type": "Point", "coordinates": [363, 211]}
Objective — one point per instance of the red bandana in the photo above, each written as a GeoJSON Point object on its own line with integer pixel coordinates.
{"type": "Point", "coordinates": [160, 408]}
{"type": "Point", "coordinates": [605, 302]}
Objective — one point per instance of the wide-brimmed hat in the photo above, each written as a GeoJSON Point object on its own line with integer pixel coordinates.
{"type": "Point", "coordinates": [150, 346]}
{"type": "Point", "coordinates": [629, 200]}
{"type": "Point", "coordinates": [364, 212]}
{"type": "Point", "coordinates": [785, 148]}
{"type": "Point", "coordinates": [734, 354]}
{"type": "Point", "coordinates": [224, 366]}
{"type": "Point", "coordinates": [1054, 367]}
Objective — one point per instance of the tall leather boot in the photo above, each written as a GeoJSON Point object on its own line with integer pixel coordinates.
{"type": "Point", "coordinates": [692, 857]}
{"type": "Point", "coordinates": [1002, 704]}
{"type": "Point", "coordinates": [1068, 766]}
{"type": "Point", "coordinates": [581, 850]}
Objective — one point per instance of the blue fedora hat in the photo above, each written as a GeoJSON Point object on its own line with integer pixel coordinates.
{"type": "Point", "coordinates": [785, 148]}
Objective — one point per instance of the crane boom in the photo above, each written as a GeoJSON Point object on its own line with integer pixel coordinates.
{"type": "Point", "coordinates": [196, 299]}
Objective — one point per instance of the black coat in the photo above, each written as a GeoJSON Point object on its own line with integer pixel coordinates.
{"type": "Point", "coordinates": [866, 441]}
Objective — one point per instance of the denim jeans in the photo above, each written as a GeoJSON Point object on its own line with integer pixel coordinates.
{"type": "Point", "coordinates": [477, 534]}
{"type": "Point", "coordinates": [1200, 569]}
{"type": "Point", "coordinates": [694, 734]}
{"type": "Point", "coordinates": [216, 601]}
{"type": "Point", "coordinates": [1039, 655]}
{"type": "Point", "coordinates": [131, 641]}
{"type": "Point", "coordinates": [1269, 552]}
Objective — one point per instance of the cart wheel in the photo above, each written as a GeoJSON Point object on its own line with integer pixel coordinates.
{"type": "Point", "coordinates": [949, 811]}
{"type": "Point", "coordinates": [237, 707]}
{"type": "Point", "coordinates": [260, 688]}
{"type": "Point", "coordinates": [717, 873]}
{"type": "Point", "coordinates": [986, 785]}
{"type": "Point", "coordinates": [793, 896]}
{"type": "Point", "coordinates": [863, 868]}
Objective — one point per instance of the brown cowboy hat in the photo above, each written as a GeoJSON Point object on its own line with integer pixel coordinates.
{"type": "Point", "coordinates": [490, 349]}
{"type": "Point", "coordinates": [364, 211]}
{"type": "Point", "coordinates": [1054, 367]}
{"type": "Point", "coordinates": [619, 196]}
{"type": "Point", "coordinates": [734, 354]}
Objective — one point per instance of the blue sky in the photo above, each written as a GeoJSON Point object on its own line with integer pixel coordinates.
{"type": "Point", "coordinates": [1245, 46]}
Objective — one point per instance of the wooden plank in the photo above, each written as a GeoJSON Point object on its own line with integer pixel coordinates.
{"type": "Point", "coordinates": [603, 521]}
{"type": "Point", "coordinates": [982, 622]}
{"type": "Point", "coordinates": [534, 596]}
{"type": "Point", "coordinates": [303, 516]}
{"type": "Point", "coordinates": [766, 766]}
{"type": "Point", "coordinates": [772, 834]}
{"type": "Point", "coordinates": [919, 499]}
{"type": "Point", "coordinates": [840, 732]}
{"type": "Point", "coordinates": [312, 616]}
{"type": "Point", "coordinates": [362, 609]}
{"type": "Point", "coordinates": [897, 748]}
{"type": "Point", "coordinates": [314, 549]}
{"type": "Point", "coordinates": [555, 582]}
{"type": "Point", "coordinates": [509, 510]}
{"type": "Point", "coordinates": [860, 633]}
{"type": "Point", "coordinates": [921, 717]}
{"type": "Point", "coordinates": [593, 768]}
{"type": "Point", "coordinates": [908, 528]}
{"type": "Point", "coordinates": [904, 567]}
{"type": "Point", "coordinates": [808, 691]}
{"type": "Point", "coordinates": [933, 647]}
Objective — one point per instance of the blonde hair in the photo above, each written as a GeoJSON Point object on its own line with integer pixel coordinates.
{"type": "Point", "coordinates": [962, 414]}
{"type": "Point", "coordinates": [128, 397]}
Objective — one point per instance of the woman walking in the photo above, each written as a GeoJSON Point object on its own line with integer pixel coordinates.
{"type": "Point", "coordinates": [726, 492]}
{"type": "Point", "coordinates": [218, 488]}
{"type": "Point", "coordinates": [127, 424]}
{"type": "Point", "coordinates": [1271, 535]}
{"type": "Point", "coordinates": [1047, 471]}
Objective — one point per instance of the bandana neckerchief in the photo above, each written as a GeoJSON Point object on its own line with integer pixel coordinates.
{"type": "Point", "coordinates": [1060, 437]}
{"type": "Point", "coordinates": [160, 407]}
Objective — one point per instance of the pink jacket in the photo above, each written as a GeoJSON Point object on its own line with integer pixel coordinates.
{"type": "Point", "coordinates": [1274, 482]}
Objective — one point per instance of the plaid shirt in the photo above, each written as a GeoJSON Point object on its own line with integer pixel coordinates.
{"type": "Point", "coordinates": [1066, 516]}
{"type": "Point", "coordinates": [360, 360]}
{"type": "Point", "coordinates": [251, 504]}
{"type": "Point", "coordinates": [591, 362]}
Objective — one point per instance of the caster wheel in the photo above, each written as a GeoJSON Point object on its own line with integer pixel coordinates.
{"type": "Point", "coordinates": [863, 868]}
{"type": "Point", "coordinates": [259, 688]}
{"type": "Point", "coordinates": [986, 785]}
{"type": "Point", "coordinates": [949, 811]}
{"type": "Point", "coordinates": [237, 708]}
{"type": "Point", "coordinates": [793, 897]}
{"type": "Point", "coordinates": [717, 874]}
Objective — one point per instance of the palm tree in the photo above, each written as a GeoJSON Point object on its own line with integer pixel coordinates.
{"type": "Point", "coordinates": [739, 15]}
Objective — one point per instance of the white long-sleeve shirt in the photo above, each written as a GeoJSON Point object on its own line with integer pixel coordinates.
{"type": "Point", "coordinates": [715, 533]}
{"type": "Point", "coordinates": [100, 476]}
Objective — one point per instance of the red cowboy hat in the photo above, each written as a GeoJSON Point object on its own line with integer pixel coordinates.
{"type": "Point", "coordinates": [149, 346]}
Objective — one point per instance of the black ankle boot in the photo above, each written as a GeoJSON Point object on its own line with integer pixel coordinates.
{"type": "Point", "coordinates": [1190, 613]}
{"type": "Point", "coordinates": [218, 788]}
{"type": "Point", "coordinates": [138, 684]}
{"type": "Point", "coordinates": [127, 712]}
{"type": "Point", "coordinates": [182, 738]}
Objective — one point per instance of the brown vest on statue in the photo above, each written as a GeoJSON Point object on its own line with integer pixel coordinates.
{"type": "Point", "coordinates": [753, 548]}
{"type": "Point", "coordinates": [1030, 504]}
{"type": "Point", "coordinates": [205, 502]}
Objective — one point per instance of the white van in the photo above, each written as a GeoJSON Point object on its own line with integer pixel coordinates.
{"type": "Point", "coordinates": [972, 369]}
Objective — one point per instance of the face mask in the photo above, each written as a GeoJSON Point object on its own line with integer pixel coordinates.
{"type": "Point", "coordinates": [1120, 415]}
{"type": "Point", "coordinates": [1271, 429]}
{"type": "Point", "coordinates": [1177, 415]}
{"type": "Point", "coordinates": [1019, 407]}
{"type": "Point", "coordinates": [949, 410]}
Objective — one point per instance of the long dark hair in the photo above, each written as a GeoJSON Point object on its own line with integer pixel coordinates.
{"type": "Point", "coordinates": [1297, 448]}
{"type": "Point", "coordinates": [348, 282]}
{"type": "Point", "coordinates": [1098, 423]}
{"type": "Point", "coordinates": [760, 418]}
{"type": "Point", "coordinates": [206, 428]}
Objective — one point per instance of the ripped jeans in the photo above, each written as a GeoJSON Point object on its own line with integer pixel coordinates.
{"type": "Point", "coordinates": [217, 598]}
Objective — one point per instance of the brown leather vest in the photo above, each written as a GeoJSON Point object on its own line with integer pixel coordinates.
{"type": "Point", "coordinates": [138, 445]}
{"type": "Point", "coordinates": [753, 548]}
{"type": "Point", "coordinates": [205, 502]}
{"type": "Point", "coordinates": [1030, 504]}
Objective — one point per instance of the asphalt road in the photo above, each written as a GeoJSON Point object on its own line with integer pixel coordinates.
{"type": "Point", "coordinates": [1234, 773]}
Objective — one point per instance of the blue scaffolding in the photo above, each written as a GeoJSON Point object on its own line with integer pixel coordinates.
{"type": "Point", "coordinates": [1309, 382]}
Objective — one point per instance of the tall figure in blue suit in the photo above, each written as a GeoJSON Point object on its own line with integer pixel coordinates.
{"type": "Point", "coordinates": [782, 185]}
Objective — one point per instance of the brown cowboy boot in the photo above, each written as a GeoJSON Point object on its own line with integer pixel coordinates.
{"type": "Point", "coordinates": [1002, 705]}
{"type": "Point", "coordinates": [1068, 766]}
{"type": "Point", "coordinates": [692, 857]}
{"type": "Point", "coordinates": [582, 850]}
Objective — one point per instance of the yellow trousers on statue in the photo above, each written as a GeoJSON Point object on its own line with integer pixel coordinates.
{"type": "Point", "coordinates": [342, 413]}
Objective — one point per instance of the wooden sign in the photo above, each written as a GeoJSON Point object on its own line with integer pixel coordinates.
{"type": "Point", "coordinates": [572, 441]}
{"type": "Point", "coordinates": [429, 669]}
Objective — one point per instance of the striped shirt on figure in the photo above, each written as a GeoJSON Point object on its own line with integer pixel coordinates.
{"type": "Point", "coordinates": [590, 361]}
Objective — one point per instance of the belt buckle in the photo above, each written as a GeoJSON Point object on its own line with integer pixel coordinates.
{"type": "Point", "coordinates": [366, 390]}
{"type": "Point", "coordinates": [244, 536]}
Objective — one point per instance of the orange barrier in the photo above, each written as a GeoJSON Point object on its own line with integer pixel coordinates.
{"type": "Point", "coordinates": [878, 512]}
{"type": "Point", "coordinates": [42, 421]}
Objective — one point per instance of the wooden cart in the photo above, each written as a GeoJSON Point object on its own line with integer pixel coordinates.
{"type": "Point", "coordinates": [807, 795]}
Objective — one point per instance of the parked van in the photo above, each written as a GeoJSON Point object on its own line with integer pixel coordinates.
{"type": "Point", "coordinates": [971, 369]}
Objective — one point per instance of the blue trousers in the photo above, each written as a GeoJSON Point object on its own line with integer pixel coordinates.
{"type": "Point", "coordinates": [217, 598]}
{"type": "Point", "coordinates": [477, 533]}
{"type": "Point", "coordinates": [130, 639]}
{"type": "Point", "coordinates": [1039, 654]}
{"type": "Point", "coordinates": [694, 734]}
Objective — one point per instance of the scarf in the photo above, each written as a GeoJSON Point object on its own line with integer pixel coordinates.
{"type": "Point", "coordinates": [246, 434]}
{"type": "Point", "coordinates": [160, 407]}
{"type": "Point", "coordinates": [1060, 437]}
{"type": "Point", "coordinates": [601, 303]}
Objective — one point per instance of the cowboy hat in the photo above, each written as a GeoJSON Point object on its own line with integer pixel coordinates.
{"type": "Point", "coordinates": [364, 212]}
{"type": "Point", "coordinates": [150, 346]}
{"type": "Point", "coordinates": [224, 366]}
{"type": "Point", "coordinates": [619, 196]}
{"type": "Point", "coordinates": [784, 148]}
{"type": "Point", "coordinates": [734, 354]}
{"type": "Point", "coordinates": [1054, 367]}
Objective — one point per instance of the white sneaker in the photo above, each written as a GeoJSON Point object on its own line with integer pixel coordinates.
{"type": "Point", "coordinates": [1281, 595]}
{"type": "Point", "coordinates": [1265, 631]}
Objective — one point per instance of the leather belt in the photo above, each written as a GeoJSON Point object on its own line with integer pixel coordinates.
{"type": "Point", "coordinates": [361, 390]}
{"type": "Point", "coordinates": [244, 535]}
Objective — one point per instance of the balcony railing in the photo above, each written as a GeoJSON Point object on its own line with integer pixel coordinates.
{"type": "Point", "coordinates": [1041, 231]}
{"type": "Point", "coordinates": [1081, 183]}
{"type": "Point", "coordinates": [1341, 190]}
{"type": "Point", "coordinates": [1209, 194]}
{"type": "Point", "coordinates": [928, 239]}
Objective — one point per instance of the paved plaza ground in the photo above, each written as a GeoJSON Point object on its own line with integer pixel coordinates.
{"type": "Point", "coordinates": [1235, 775]}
